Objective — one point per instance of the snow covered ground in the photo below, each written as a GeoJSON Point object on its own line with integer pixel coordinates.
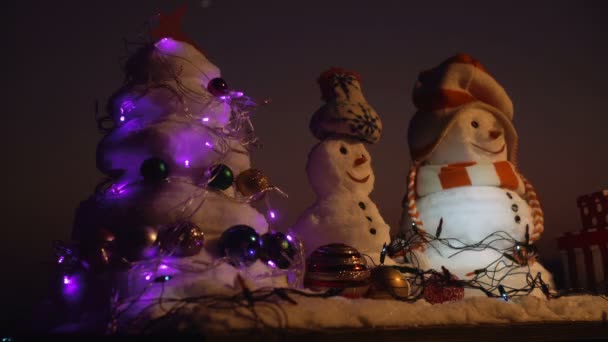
{"type": "Point", "coordinates": [342, 313]}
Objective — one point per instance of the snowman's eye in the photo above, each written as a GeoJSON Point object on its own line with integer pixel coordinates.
{"type": "Point", "coordinates": [475, 124]}
{"type": "Point", "coordinates": [343, 150]}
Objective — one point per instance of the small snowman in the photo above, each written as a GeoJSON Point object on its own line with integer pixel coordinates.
{"type": "Point", "coordinates": [340, 172]}
{"type": "Point", "coordinates": [464, 184]}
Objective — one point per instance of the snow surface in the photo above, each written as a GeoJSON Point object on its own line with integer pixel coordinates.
{"type": "Point", "coordinates": [220, 281]}
{"type": "Point", "coordinates": [339, 312]}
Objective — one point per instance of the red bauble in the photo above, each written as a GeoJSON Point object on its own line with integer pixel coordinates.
{"type": "Point", "coordinates": [440, 288]}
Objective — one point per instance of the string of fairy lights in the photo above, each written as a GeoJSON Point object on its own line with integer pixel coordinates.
{"type": "Point", "coordinates": [483, 280]}
{"type": "Point", "coordinates": [514, 260]}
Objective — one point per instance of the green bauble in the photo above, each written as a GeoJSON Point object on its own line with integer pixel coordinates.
{"type": "Point", "coordinates": [154, 170]}
{"type": "Point", "coordinates": [221, 177]}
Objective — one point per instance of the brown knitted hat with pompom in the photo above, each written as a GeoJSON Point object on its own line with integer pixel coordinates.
{"type": "Point", "coordinates": [345, 112]}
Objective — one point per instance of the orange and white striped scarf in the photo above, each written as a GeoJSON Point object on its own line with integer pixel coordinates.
{"type": "Point", "coordinates": [428, 179]}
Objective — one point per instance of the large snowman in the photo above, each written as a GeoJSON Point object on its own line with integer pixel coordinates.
{"type": "Point", "coordinates": [463, 184]}
{"type": "Point", "coordinates": [340, 172]}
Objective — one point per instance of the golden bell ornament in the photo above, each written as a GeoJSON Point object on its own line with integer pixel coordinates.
{"type": "Point", "coordinates": [388, 283]}
{"type": "Point", "coordinates": [251, 182]}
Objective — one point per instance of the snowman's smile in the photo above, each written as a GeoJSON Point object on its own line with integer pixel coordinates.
{"type": "Point", "coordinates": [358, 180]}
{"type": "Point", "coordinates": [490, 151]}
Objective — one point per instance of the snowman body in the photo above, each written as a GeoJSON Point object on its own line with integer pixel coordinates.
{"type": "Point", "coordinates": [470, 215]}
{"type": "Point", "coordinates": [340, 173]}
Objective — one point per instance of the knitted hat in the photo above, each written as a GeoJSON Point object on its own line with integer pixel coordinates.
{"type": "Point", "coordinates": [345, 112]}
{"type": "Point", "coordinates": [442, 93]}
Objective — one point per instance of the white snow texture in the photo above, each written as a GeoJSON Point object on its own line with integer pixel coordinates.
{"type": "Point", "coordinates": [339, 312]}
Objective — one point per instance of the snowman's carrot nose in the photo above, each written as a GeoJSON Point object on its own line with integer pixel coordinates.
{"type": "Point", "coordinates": [359, 161]}
{"type": "Point", "coordinates": [495, 134]}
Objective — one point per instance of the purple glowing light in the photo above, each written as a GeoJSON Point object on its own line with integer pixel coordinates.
{"type": "Point", "coordinates": [122, 118]}
{"type": "Point", "coordinates": [208, 144]}
{"type": "Point", "coordinates": [126, 107]}
{"type": "Point", "coordinates": [72, 289]}
{"type": "Point", "coordinates": [205, 119]}
{"type": "Point", "coordinates": [60, 260]}
{"type": "Point", "coordinates": [271, 264]}
{"type": "Point", "coordinates": [167, 44]}
{"type": "Point", "coordinates": [272, 214]}
{"type": "Point", "coordinates": [224, 97]}
{"type": "Point", "coordinates": [118, 189]}
{"type": "Point", "coordinates": [187, 163]}
{"type": "Point", "coordinates": [163, 267]}
{"type": "Point", "coordinates": [148, 276]}
{"type": "Point", "coordinates": [289, 238]}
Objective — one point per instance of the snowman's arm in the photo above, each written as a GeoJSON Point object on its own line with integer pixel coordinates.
{"type": "Point", "coordinates": [531, 198]}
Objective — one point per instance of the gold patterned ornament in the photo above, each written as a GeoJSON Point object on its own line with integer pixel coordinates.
{"type": "Point", "coordinates": [251, 182]}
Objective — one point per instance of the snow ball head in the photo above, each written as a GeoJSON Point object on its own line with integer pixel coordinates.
{"type": "Point", "coordinates": [340, 165]}
{"type": "Point", "coordinates": [475, 135]}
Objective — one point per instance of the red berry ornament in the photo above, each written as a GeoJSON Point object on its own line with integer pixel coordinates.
{"type": "Point", "coordinates": [441, 288]}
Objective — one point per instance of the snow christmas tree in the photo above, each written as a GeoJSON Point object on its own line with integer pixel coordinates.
{"type": "Point", "coordinates": [176, 204]}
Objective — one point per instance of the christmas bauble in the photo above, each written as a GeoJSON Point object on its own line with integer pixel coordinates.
{"type": "Point", "coordinates": [251, 182]}
{"type": "Point", "coordinates": [154, 170]}
{"type": "Point", "coordinates": [337, 266]}
{"type": "Point", "coordinates": [137, 243]}
{"type": "Point", "coordinates": [183, 240]}
{"type": "Point", "coordinates": [218, 87]}
{"type": "Point", "coordinates": [98, 249]}
{"type": "Point", "coordinates": [387, 283]}
{"type": "Point", "coordinates": [241, 244]}
{"type": "Point", "coordinates": [277, 250]}
{"type": "Point", "coordinates": [440, 288]}
{"type": "Point", "coordinates": [221, 177]}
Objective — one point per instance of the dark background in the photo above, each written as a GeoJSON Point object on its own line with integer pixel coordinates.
{"type": "Point", "coordinates": [63, 55]}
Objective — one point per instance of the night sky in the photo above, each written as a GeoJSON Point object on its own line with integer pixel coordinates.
{"type": "Point", "coordinates": [62, 56]}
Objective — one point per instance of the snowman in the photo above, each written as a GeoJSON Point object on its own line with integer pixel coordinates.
{"type": "Point", "coordinates": [464, 185]}
{"type": "Point", "coordinates": [340, 172]}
